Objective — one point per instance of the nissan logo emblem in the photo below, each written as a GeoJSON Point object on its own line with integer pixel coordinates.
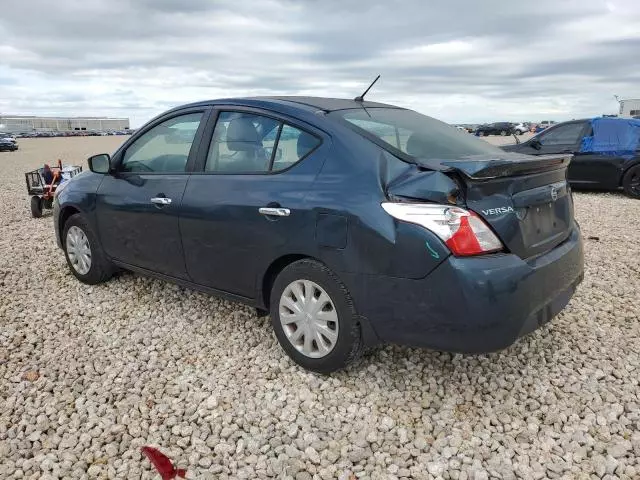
{"type": "Point", "coordinates": [554, 193]}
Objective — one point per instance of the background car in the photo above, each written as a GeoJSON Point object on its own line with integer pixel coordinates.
{"type": "Point", "coordinates": [605, 151]}
{"type": "Point", "coordinates": [521, 128]}
{"type": "Point", "coordinates": [498, 128]}
{"type": "Point", "coordinates": [353, 223]}
{"type": "Point", "coordinates": [8, 144]}
{"type": "Point", "coordinates": [543, 125]}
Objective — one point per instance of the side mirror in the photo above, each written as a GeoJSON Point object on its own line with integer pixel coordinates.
{"type": "Point", "coordinates": [535, 143]}
{"type": "Point", "coordinates": [100, 163]}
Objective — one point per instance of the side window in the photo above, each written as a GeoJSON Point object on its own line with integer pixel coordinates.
{"type": "Point", "coordinates": [394, 136]}
{"type": "Point", "coordinates": [292, 146]}
{"type": "Point", "coordinates": [246, 143]}
{"type": "Point", "coordinates": [164, 148]}
{"type": "Point", "coordinates": [563, 135]}
{"type": "Point", "coordinates": [242, 143]}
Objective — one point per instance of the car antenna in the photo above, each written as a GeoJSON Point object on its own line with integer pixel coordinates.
{"type": "Point", "coordinates": [361, 97]}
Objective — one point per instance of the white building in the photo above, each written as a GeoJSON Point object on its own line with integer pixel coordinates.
{"type": "Point", "coordinates": [630, 107]}
{"type": "Point", "coordinates": [18, 123]}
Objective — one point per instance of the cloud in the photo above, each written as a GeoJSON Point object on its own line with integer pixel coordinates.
{"type": "Point", "coordinates": [460, 60]}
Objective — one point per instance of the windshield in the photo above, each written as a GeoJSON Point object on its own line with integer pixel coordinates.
{"type": "Point", "coordinates": [409, 133]}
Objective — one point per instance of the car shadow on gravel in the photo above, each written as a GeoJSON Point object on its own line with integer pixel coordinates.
{"type": "Point", "coordinates": [529, 354]}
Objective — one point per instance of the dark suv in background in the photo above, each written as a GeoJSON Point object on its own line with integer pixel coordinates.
{"type": "Point", "coordinates": [498, 128]}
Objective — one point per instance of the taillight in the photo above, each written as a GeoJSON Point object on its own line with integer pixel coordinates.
{"type": "Point", "coordinates": [464, 232]}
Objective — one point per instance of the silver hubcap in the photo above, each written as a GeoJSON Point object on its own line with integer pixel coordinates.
{"type": "Point", "coordinates": [309, 318]}
{"type": "Point", "coordinates": [78, 250]}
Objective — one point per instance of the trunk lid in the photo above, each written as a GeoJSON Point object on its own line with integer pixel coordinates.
{"type": "Point", "coordinates": [526, 200]}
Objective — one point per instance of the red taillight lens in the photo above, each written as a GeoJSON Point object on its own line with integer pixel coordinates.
{"type": "Point", "coordinates": [464, 241]}
{"type": "Point", "coordinates": [464, 232]}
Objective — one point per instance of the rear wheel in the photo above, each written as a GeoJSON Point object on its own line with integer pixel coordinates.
{"type": "Point", "coordinates": [503, 132]}
{"type": "Point", "coordinates": [36, 206]}
{"type": "Point", "coordinates": [631, 182]}
{"type": "Point", "coordinates": [83, 252]}
{"type": "Point", "coordinates": [314, 318]}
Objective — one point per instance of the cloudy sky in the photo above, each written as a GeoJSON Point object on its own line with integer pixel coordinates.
{"type": "Point", "coordinates": [458, 60]}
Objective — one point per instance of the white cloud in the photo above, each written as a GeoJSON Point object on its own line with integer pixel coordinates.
{"type": "Point", "coordinates": [462, 61]}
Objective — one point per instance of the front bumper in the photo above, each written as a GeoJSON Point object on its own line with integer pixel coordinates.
{"type": "Point", "coordinates": [56, 220]}
{"type": "Point", "coordinates": [471, 305]}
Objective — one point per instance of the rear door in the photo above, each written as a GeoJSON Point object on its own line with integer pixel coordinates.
{"type": "Point", "coordinates": [247, 201]}
{"type": "Point", "coordinates": [138, 206]}
{"type": "Point", "coordinates": [593, 169]}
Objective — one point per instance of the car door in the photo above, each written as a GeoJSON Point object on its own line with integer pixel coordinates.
{"type": "Point", "coordinates": [562, 138]}
{"type": "Point", "coordinates": [595, 169]}
{"type": "Point", "coordinates": [247, 204]}
{"type": "Point", "coordinates": [138, 206]}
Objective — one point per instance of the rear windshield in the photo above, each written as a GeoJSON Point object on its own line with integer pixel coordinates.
{"type": "Point", "coordinates": [408, 133]}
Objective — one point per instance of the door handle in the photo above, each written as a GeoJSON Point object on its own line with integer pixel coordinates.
{"type": "Point", "coordinates": [161, 200]}
{"type": "Point", "coordinates": [274, 211]}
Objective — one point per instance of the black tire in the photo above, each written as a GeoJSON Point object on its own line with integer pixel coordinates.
{"type": "Point", "coordinates": [631, 182]}
{"type": "Point", "coordinates": [101, 268]}
{"type": "Point", "coordinates": [36, 206]}
{"type": "Point", "coordinates": [348, 346]}
{"type": "Point", "coordinates": [503, 133]}
{"type": "Point", "coordinates": [48, 204]}
{"type": "Point", "coordinates": [485, 134]}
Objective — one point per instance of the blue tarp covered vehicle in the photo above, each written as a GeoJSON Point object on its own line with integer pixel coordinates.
{"type": "Point", "coordinates": [606, 151]}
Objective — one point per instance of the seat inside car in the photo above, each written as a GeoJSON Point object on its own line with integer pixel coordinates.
{"type": "Point", "coordinates": [245, 143]}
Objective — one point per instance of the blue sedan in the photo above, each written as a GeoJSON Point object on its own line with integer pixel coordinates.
{"type": "Point", "coordinates": [351, 223]}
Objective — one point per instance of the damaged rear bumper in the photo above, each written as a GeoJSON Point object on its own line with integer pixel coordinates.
{"type": "Point", "coordinates": [474, 304]}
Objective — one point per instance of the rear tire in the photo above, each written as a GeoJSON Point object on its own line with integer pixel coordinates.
{"type": "Point", "coordinates": [36, 206]}
{"type": "Point", "coordinates": [631, 182]}
{"type": "Point", "coordinates": [344, 332]}
{"type": "Point", "coordinates": [97, 268]}
{"type": "Point", "coordinates": [503, 133]}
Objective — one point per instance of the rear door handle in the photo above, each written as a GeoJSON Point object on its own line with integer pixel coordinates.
{"type": "Point", "coordinates": [161, 200]}
{"type": "Point", "coordinates": [274, 211]}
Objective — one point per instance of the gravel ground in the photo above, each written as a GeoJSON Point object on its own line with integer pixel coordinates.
{"type": "Point", "coordinates": [90, 374]}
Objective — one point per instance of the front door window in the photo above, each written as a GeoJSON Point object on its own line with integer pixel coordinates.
{"type": "Point", "coordinates": [165, 148]}
{"type": "Point", "coordinates": [568, 134]}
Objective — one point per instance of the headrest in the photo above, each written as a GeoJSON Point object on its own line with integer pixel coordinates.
{"type": "Point", "coordinates": [242, 136]}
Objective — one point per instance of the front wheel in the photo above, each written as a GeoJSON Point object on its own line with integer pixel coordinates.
{"type": "Point", "coordinates": [631, 182]}
{"type": "Point", "coordinates": [84, 253]}
{"type": "Point", "coordinates": [314, 317]}
{"type": "Point", "coordinates": [36, 206]}
{"type": "Point", "coordinates": [503, 132]}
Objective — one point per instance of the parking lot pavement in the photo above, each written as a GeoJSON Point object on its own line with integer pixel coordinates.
{"type": "Point", "coordinates": [88, 375]}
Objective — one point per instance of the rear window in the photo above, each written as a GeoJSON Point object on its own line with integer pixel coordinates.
{"type": "Point", "coordinates": [408, 133]}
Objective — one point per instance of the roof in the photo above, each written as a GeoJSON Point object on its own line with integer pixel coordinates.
{"type": "Point", "coordinates": [328, 104]}
{"type": "Point", "coordinates": [307, 103]}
